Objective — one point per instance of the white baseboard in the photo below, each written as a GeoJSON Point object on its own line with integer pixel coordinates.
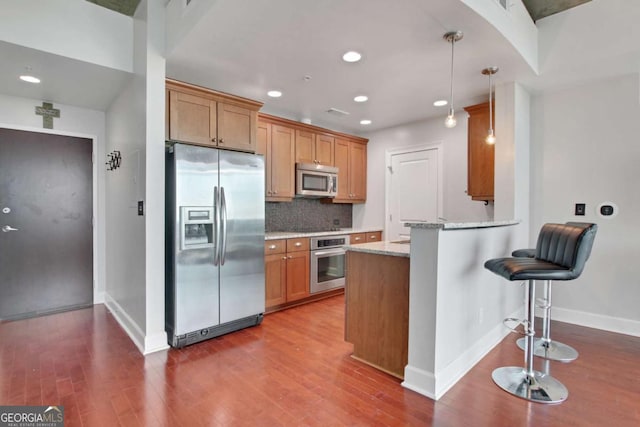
{"type": "Point", "coordinates": [597, 321]}
{"type": "Point", "coordinates": [155, 342]}
{"type": "Point", "coordinates": [98, 297]}
{"type": "Point", "coordinates": [420, 381]}
{"type": "Point", "coordinates": [126, 322]}
{"type": "Point", "coordinates": [434, 386]}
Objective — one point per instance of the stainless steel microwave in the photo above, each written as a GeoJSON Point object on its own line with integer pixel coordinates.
{"type": "Point", "coordinates": [314, 180]}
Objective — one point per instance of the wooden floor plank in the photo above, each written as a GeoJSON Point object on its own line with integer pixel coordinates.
{"type": "Point", "coordinates": [294, 369]}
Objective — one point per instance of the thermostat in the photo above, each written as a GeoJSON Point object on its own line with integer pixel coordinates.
{"type": "Point", "coordinates": [607, 210]}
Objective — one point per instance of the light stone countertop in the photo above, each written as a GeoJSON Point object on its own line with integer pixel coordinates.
{"type": "Point", "coordinates": [276, 235]}
{"type": "Point", "coordinates": [462, 225]}
{"type": "Point", "coordinates": [382, 248]}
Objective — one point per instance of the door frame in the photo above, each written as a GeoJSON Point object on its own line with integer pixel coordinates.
{"type": "Point", "coordinates": [98, 291]}
{"type": "Point", "coordinates": [439, 148]}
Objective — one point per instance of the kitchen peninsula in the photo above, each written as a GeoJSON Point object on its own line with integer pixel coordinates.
{"type": "Point", "coordinates": [453, 307]}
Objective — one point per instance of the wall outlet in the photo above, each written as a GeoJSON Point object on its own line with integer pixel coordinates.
{"type": "Point", "coordinates": [140, 208]}
{"type": "Point", "coordinates": [580, 209]}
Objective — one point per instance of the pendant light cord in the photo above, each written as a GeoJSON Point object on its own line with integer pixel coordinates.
{"type": "Point", "coordinates": [453, 41]}
{"type": "Point", "coordinates": [490, 104]}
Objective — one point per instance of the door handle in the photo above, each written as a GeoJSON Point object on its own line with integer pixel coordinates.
{"type": "Point", "coordinates": [8, 228]}
{"type": "Point", "coordinates": [223, 217]}
{"type": "Point", "coordinates": [216, 220]}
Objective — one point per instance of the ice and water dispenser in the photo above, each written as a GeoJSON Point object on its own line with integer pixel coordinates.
{"type": "Point", "coordinates": [196, 225]}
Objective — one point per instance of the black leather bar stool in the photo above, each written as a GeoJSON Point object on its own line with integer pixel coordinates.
{"type": "Point", "coordinates": [561, 253]}
{"type": "Point", "coordinates": [544, 346]}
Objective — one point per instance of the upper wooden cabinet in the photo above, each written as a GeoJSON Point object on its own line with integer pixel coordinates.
{"type": "Point", "coordinates": [351, 161]}
{"type": "Point", "coordinates": [276, 143]}
{"type": "Point", "coordinates": [286, 142]}
{"type": "Point", "coordinates": [480, 166]}
{"type": "Point", "coordinates": [202, 116]}
{"type": "Point", "coordinates": [313, 148]}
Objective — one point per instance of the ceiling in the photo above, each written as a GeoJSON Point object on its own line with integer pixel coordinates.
{"type": "Point", "coordinates": [246, 48]}
{"type": "Point", "coordinates": [539, 9]}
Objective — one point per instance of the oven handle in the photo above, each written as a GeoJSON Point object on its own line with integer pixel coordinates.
{"type": "Point", "coordinates": [331, 252]}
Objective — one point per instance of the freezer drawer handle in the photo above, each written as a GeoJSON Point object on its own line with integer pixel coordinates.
{"type": "Point", "coordinates": [8, 228]}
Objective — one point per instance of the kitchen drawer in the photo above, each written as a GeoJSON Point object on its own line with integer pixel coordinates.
{"type": "Point", "coordinates": [356, 238]}
{"type": "Point", "coordinates": [275, 247]}
{"type": "Point", "coordinates": [295, 245]}
{"type": "Point", "coordinates": [374, 236]}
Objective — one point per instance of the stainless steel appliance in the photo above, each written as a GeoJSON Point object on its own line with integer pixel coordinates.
{"type": "Point", "coordinates": [316, 180]}
{"type": "Point", "coordinates": [327, 262]}
{"type": "Point", "coordinates": [214, 242]}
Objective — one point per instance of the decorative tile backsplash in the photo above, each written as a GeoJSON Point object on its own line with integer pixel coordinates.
{"type": "Point", "coordinates": [306, 214]}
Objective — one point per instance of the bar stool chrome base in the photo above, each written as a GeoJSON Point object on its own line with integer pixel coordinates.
{"type": "Point", "coordinates": [551, 350]}
{"type": "Point", "coordinates": [540, 388]}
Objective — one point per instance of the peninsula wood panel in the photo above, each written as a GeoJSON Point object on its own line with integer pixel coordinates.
{"type": "Point", "coordinates": [377, 310]}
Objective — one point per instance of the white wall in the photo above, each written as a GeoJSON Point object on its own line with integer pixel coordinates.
{"type": "Point", "coordinates": [585, 149]}
{"type": "Point", "coordinates": [135, 245]}
{"type": "Point", "coordinates": [457, 205]}
{"type": "Point", "coordinates": [20, 112]}
{"type": "Point", "coordinates": [76, 29]}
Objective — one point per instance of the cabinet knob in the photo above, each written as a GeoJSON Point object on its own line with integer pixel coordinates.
{"type": "Point", "coordinates": [221, 141]}
{"type": "Point", "coordinates": [272, 246]}
{"type": "Point", "coordinates": [290, 257]}
{"type": "Point", "coordinates": [275, 192]}
{"type": "Point", "coordinates": [372, 236]}
{"type": "Point", "coordinates": [284, 257]}
{"type": "Point", "coordinates": [356, 239]}
{"type": "Point", "coordinates": [214, 139]}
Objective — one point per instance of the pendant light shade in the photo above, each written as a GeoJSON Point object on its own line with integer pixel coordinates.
{"type": "Point", "coordinates": [452, 37]}
{"type": "Point", "coordinates": [491, 136]}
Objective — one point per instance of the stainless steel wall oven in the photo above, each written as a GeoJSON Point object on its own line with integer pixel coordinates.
{"type": "Point", "coordinates": [328, 263]}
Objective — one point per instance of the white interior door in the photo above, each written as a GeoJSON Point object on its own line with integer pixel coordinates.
{"type": "Point", "coordinates": [413, 190]}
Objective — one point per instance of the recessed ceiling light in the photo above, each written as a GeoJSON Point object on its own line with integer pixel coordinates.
{"type": "Point", "coordinates": [30, 79]}
{"type": "Point", "coordinates": [352, 56]}
{"type": "Point", "coordinates": [274, 93]}
{"type": "Point", "coordinates": [361, 98]}
{"type": "Point", "coordinates": [365, 122]}
{"type": "Point", "coordinates": [440, 103]}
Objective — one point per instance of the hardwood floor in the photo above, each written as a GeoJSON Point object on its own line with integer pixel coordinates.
{"type": "Point", "coordinates": [294, 369]}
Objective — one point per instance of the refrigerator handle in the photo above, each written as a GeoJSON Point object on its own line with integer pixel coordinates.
{"type": "Point", "coordinates": [223, 218]}
{"type": "Point", "coordinates": [216, 225]}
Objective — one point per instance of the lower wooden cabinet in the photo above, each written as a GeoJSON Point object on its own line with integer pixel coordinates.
{"type": "Point", "coordinates": [286, 271]}
{"type": "Point", "coordinates": [372, 236]}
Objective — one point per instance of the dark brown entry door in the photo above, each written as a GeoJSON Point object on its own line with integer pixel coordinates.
{"type": "Point", "coordinates": [46, 240]}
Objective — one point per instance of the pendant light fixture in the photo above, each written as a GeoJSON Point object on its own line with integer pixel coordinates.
{"type": "Point", "coordinates": [491, 136]}
{"type": "Point", "coordinates": [451, 37]}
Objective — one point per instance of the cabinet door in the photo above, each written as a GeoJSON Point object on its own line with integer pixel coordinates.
{"type": "Point", "coordinates": [358, 172]}
{"type": "Point", "coordinates": [480, 167]}
{"type": "Point", "coordinates": [263, 140]}
{"type": "Point", "coordinates": [342, 163]}
{"type": "Point", "coordinates": [325, 146]}
{"type": "Point", "coordinates": [281, 155]}
{"type": "Point", "coordinates": [275, 275]}
{"type": "Point", "coordinates": [192, 119]}
{"type": "Point", "coordinates": [237, 127]}
{"type": "Point", "coordinates": [297, 275]}
{"type": "Point", "coordinates": [305, 147]}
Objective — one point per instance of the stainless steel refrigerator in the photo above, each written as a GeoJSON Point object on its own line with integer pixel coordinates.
{"type": "Point", "coordinates": [214, 242]}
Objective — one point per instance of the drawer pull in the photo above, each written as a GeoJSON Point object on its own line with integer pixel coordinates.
{"type": "Point", "coordinates": [356, 239]}
{"type": "Point", "coordinates": [298, 244]}
{"type": "Point", "coordinates": [272, 246]}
